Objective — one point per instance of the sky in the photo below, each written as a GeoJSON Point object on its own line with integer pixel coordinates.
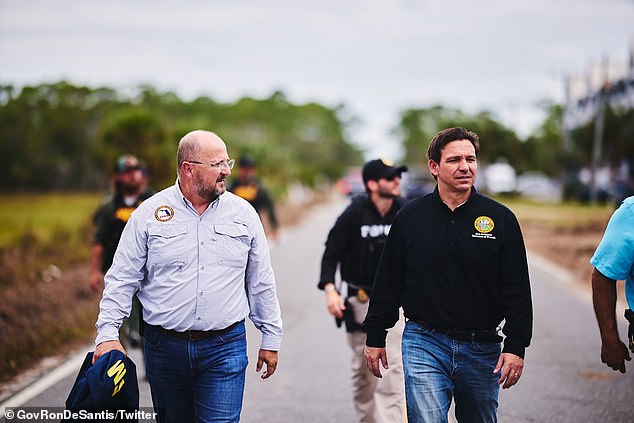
{"type": "Point", "coordinates": [377, 58]}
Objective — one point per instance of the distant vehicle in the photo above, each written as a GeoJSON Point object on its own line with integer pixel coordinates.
{"type": "Point", "coordinates": [500, 178]}
{"type": "Point", "coordinates": [352, 183]}
{"type": "Point", "coordinates": [416, 184]}
{"type": "Point", "coordinates": [537, 186]}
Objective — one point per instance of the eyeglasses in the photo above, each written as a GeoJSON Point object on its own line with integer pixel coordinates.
{"type": "Point", "coordinates": [225, 163]}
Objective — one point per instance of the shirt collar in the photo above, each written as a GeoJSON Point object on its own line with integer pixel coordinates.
{"type": "Point", "coordinates": [214, 204]}
{"type": "Point", "coordinates": [462, 205]}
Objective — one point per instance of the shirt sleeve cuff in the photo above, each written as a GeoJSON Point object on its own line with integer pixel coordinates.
{"type": "Point", "coordinates": [322, 284]}
{"type": "Point", "coordinates": [271, 343]}
{"type": "Point", "coordinates": [107, 333]}
{"type": "Point", "coordinates": [376, 339]}
{"type": "Point", "coordinates": [514, 346]}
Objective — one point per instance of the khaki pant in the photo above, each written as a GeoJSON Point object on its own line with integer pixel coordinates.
{"type": "Point", "coordinates": [377, 400]}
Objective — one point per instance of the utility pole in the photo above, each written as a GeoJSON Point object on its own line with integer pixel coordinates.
{"type": "Point", "coordinates": [599, 123]}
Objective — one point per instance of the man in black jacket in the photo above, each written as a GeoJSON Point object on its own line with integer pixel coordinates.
{"type": "Point", "coordinates": [130, 189]}
{"type": "Point", "coordinates": [355, 244]}
{"type": "Point", "coordinates": [455, 262]}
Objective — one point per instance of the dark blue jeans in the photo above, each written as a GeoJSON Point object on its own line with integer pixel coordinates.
{"type": "Point", "coordinates": [438, 368]}
{"type": "Point", "coordinates": [196, 381]}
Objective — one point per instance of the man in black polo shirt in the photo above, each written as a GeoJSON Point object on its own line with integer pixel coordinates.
{"type": "Point", "coordinates": [455, 261]}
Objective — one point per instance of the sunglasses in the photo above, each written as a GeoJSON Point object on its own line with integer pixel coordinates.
{"type": "Point", "coordinates": [391, 178]}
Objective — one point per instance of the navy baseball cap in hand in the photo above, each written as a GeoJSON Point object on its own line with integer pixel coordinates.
{"type": "Point", "coordinates": [109, 384]}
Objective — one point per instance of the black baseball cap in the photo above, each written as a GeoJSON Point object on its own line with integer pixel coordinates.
{"type": "Point", "coordinates": [246, 161]}
{"type": "Point", "coordinates": [381, 168]}
{"type": "Point", "coordinates": [127, 162]}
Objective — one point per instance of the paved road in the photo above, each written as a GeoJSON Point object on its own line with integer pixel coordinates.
{"type": "Point", "coordinates": [564, 380]}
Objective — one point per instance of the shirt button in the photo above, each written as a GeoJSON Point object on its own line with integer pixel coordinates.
{"type": "Point", "coordinates": [202, 242]}
{"type": "Point", "coordinates": [201, 293]}
{"type": "Point", "coordinates": [202, 267]}
{"type": "Point", "coordinates": [198, 318]}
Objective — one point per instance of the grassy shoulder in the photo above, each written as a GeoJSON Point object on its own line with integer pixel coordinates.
{"type": "Point", "coordinates": [564, 233]}
{"type": "Point", "coordinates": [45, 215]}
{"type": "Point", "coordinates": [560, 216]}
{"type": "Point", "coordinates": [46, 306]}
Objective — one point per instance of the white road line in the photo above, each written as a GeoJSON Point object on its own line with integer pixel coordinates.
{"type": "Point", "coordinates": [70, 366]}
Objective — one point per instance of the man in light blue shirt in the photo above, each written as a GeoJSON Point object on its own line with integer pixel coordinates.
{"type": "Point", "coordinates": [199, 257]}
{"type": "Point", "coordinates": [613, 261]}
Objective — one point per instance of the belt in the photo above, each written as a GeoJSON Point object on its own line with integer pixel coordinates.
{"type": "Point", "coordinates": [465, 335]}
{"type": "Point", "coordinates": [195, 335]}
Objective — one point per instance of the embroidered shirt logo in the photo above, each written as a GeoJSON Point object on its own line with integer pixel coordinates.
{"type": "Point", "coordinates": [484, 225]}
{"type": "Point", "coordinates": [164, 213]}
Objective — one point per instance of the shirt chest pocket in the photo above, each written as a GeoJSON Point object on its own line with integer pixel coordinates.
{"type": "Point", "coordinates": [167, 244]}
{"type": "Point", "coordinates": [233, 244]}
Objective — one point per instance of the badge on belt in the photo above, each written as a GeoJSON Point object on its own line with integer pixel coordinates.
{"type": "Point", "coordinates": [362, 296]}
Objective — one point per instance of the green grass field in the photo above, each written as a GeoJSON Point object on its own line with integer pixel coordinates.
{"type": "Point", "coordinates": [46, 214]}
{"type": "Point", "coordinates": [559, 215]}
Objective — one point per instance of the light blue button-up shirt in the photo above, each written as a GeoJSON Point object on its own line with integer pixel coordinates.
{"type": "Point", "coordinates": [200, 272]}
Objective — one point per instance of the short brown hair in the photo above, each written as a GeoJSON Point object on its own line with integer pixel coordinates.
{"type": "Point", "coordinates": [448, 135]}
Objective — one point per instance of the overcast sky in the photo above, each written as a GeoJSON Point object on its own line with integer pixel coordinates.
{"type": "Point", "coordinates": [376, 57]}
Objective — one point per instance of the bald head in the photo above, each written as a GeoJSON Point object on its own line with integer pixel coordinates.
{"type": "Point", "coordinates": [193, 144]}
{"type": "Point", "coordinates": [203, 167]}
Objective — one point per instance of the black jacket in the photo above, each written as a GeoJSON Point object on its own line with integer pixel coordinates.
{"type": "Point", "coordinates": [109, 219]}
{"type": "Point", "coordinates": [356, 242]}
{"type": "Point", "coordinates": [461, 269]}
{"type": "Point", "coordinates": [254, 192]}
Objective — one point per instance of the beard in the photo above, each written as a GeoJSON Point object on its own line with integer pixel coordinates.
{"type": "Point", "coordinates": [387, 194]}
{"type": "Point", "coordinates": [210, 193]}
{"type": "Point", "coordinates": [127, 189]}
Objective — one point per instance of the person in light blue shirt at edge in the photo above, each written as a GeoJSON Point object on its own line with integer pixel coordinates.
{"type": "Point", "coordinates": [200, 259]}
{"type": "Point", "coordinates": [613, 261]}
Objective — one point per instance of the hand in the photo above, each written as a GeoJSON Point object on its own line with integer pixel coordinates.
{"type": "Point", "coordinates": [614, 353]}
{"type": "Point", "coordinates": [335, 303]}
{"type": "Point", "coordinates": [372, 357]}
{"type": "Point", "coordinates": [96, 281]}
{"type": "Point", "coordinates": [270, 358]}
{"type": "Point", "coordinates": [106, 346]}
{"type": "Point", "coordinates": [511, 367]}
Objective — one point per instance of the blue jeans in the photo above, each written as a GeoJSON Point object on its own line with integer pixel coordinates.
{"type": "Point", "coordinates": [438, 368]}
{"type": "Point", "coordinates": [196, 381]}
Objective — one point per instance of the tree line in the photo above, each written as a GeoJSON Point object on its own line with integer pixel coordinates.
{"type": "Point", "coordinates": [62, 137]}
